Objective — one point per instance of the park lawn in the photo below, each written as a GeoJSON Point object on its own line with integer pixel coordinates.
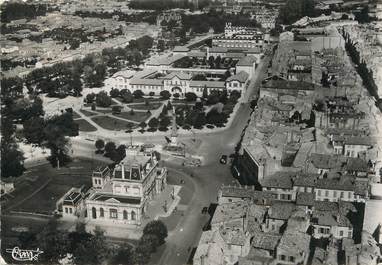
{"type": "Point", "coordinates": [142, 100]}
{"type": "Point", "coordinates": [151, 106]}
{"type": "Point", "coordinates": [138, 116]}
{"type": "Point", "coordinates": [87, 113]}
{"type": "Point", "coordinates": [182, 102]}
{"type": "Point", "coordinates": [110, 123]}
{"type": "Point", "coordinates": [75, 174]}
{"type": "Point", "coordinates": [45, 199]}
{"type": "Point", "coordinates": [103, 110]}
{"type": "Point", "coordinates": [139, 100]}
{"type": "Point", "coordinates": [85, 126]}
{"type": "Point", "coordinates": [76, 115]}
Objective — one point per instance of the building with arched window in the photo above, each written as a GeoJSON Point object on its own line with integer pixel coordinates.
{"type": "Point", "coordinates": [125, 194]}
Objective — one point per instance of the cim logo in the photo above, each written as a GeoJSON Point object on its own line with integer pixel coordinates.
{"type": "Point", "coordinates": [24, 254]}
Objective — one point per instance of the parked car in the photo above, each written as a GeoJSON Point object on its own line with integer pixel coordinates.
{"type": "Point", "coordinates": [223, 159]}
{"type": "Point", "coordinates": [204, 210]}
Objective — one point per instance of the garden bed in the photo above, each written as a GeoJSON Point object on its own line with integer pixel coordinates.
{"type": "Point", "coordinates": [113, 124]}
{"type": "Point", "coordinates": [138, 116]}
{"type": "Point", "coordinates": [85, 126]}
{"type": "Point", "coordinates": [87, 113]}
{"type": "Point", "coordinates": [151, 106]}
{"type": "Point", "coordinates": [75, 115]}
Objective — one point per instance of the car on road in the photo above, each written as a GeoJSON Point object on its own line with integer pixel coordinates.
{"type": "Point", "coordinates": [223, 159]}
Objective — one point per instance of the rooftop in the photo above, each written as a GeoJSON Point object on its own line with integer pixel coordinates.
{"type": "Point", "coordinates": [342, 183]}
{"type": "Point", "coordinates": [146, 81]}
{"type": "Point", "coordinates": [305, 180]}
{"type": "Point", "coordinates": [72, 198]}
{"type": "Point", "coordinates": [295, 243]}
{"type": "Point", "coordinates": [267, 241]}
{"type": "Point", "coordinates": [246, 61]}
{"type": "Point", "coordinates": [326, 206]}
{"type": "Point", "coordinates": [282, 180]}
{"type": "Point", "coordinates": [217, 50]}
{"type": "Point", "coordinates": [180, 75]}
{"type": "Point", "coordinates": [229, 212]}
{"type": "Point", "coordinates": [281, 210]}
{"type": "Point", "coordinates": [323, 161]}
{"type": "Point", "coordinates": [290, 85]}
{"type": "Point", "coordinates": [357, 164]}
{"type": "Point", "coordinates": [357, 140]}
{"type": "Point", "coordinates": [233, 236]}
{"type": "Point", "coordinates": [125, 73]}
{"type": "Point", "coordinates": [330, 219]}
{"type": "Point", "coordinates": [241, 77]}
{"type": "Point", "coordinates": [305, 199]}
{"type": "Point", "coordinates": [210, 84]}
{"type": "Point", "coordinates": [113, 198]}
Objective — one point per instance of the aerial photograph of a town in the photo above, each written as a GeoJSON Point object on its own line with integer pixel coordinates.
{"type": "Point", "coordinates": [191, 132]}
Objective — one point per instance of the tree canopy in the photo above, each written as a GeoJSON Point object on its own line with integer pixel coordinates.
{"type": "Point", "coordinates": [293, 10]}
{"type": "Point", "coordinates": [157, 228]}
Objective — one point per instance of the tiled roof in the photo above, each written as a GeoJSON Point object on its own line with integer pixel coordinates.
{"type": "Point", "coordinates": [325, 206]}
{"type": "Point", "coordinates": [281, 210]}
{"type": "Point", "coordinates": [356, 164]}
{"type": "Point", "coordinates": [295, 243]}
{"type": "Point", "coordinates": [233, 236]}
{"type": "Point", "coordinates": [143, 74]}
{"type": "Point", "coordinates": [241, 77]}
{"type": "Point", "coordinates": [209, 84]}
{"type": "Point", "coordinates": [257, 211]}
{"type": "Point", "coordinates": [358, 141]}
{"type": "Point", "coordinates": [282, 179]}
{"type": "Point", "coordinates": [253, 50]}
{"type": "Point", "coordinates": [343, 183]}
{"type": "Point", "coordinates": [124, 73]}
{"type": "Point", "coordinates": [361, 187]}
{"type": "Point", "coordinates": [146, 81]}
{"type": "Point", "coordinates": [230, 212]}
{"type": "Point", "coordinates": [305, 199]}
{"type": "Point", "coordinates": [115, 198]}
{"type": "Point", "coordinates": [330, 219]}
{"type": "Point", "coordinates": [305, 180]}
{"type": "Point", "coordinates": [218, 49]}
{"type": "Point", "coordinates": [290, 85]}
{"type": "Point", "coordinates": [72, 198]}
{"type": "Point", "coordinates": [182, 76]}
{"type": "Point", "coordinates": [234, 55]}
{"type": "Point", "coordinates": [267, 241]}
{"type": "Point", "coordinates": [235, 191]}
{"type": "Point", "coordinates": [246, 61]}
{"type": "Point", "coordinates": [323, 161]}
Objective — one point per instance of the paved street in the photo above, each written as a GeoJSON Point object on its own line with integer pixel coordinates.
{"type": "Point", "coordinates": [207, 179]}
